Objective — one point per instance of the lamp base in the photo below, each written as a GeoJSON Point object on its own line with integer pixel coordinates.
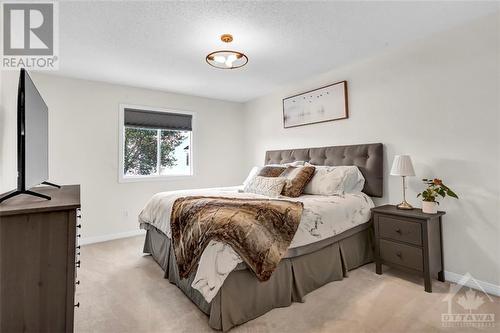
{"type": "Point", "coordinates": [405, 205]}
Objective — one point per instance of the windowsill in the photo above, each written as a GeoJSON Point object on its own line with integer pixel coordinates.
{"type": "Point", "coordinates": [135, 179]}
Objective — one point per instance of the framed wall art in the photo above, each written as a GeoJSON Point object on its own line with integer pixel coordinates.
{"type": "Point", "coordinates": [316, 106]}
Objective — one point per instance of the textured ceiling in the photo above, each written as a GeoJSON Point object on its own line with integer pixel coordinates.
{"type": "Point", "coordinates": [162, 45]}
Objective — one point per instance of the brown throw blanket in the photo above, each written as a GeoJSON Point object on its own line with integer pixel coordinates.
{"type": "Point", "coordinates": [260, 231]}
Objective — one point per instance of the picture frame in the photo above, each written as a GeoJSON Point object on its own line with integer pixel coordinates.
{"type": "Point", "coordinates": [327, 103]}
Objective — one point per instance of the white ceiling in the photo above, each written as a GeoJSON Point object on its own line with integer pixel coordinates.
{"type": "Point", "coordinates": [162, 45]}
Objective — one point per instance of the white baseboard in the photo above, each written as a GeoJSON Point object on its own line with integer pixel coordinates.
{"type": "Point", "coordinates": [490, 288]}
{"type": "Point", "coordinates": [104, 238]}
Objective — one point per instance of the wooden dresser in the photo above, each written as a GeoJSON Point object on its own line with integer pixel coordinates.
{"type": "Point", "coordinates": [38, 261]}
{"type": "Point", "coordinates": [409, 240]}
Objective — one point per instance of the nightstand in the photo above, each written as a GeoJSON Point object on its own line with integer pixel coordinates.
{"type": "Point", "coordinates": [409, 240]}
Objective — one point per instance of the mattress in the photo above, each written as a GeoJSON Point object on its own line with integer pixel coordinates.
{"type": "Point", "coordinates": [323, 217]}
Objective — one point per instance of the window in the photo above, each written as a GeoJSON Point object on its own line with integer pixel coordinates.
{"type": "Point", "coordinates": [155, 143]}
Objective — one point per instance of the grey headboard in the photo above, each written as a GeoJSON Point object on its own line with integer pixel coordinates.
{"type": "Point", "coordinates": [367, 157]}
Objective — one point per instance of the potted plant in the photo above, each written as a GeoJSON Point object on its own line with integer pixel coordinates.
{"type": "Point", "coordinates": [435, 188]}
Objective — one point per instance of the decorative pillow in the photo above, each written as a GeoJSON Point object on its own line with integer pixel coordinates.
{"type": "Point", "coordinates": [271, 171]}
{"type": "Point", "coordinates": [331, 180]}
{"type": "Point", "coordinates": [269, 186]}
{"type": "Point", "coordinates": [274, 173]}
{"type": "Point", "coordinates": [296, 180]}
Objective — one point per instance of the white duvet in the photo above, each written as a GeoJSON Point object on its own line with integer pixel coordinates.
{"type": "Point", "coordinates": [323, 217]}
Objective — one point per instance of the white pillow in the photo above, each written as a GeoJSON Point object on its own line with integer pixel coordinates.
{"type": "Point", "coordinates": [354, 181]}
{"type": "Point", "coordinates": [331, 180]}
{"type": "Point", "coordinates": [296, 163]}
{"type": "Point", "coordinates": [252, 174]}
{"type": "Point", "coordinates": [268, 186]}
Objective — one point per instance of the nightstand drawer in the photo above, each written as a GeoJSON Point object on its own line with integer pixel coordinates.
{"type": "Point", "coordinates": [401, 230]}
{"type": "Point", "coordinates": [401, 254]}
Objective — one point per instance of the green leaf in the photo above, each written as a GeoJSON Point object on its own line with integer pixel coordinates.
{"type": "Point", "coordinates": [452, 194]}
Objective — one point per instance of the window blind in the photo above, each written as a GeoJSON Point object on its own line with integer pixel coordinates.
{"type": "Point", "coordinates": [158, 120]}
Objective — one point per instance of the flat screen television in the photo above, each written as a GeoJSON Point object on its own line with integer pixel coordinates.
{"type": "Point", "coordinates": [32, 139]}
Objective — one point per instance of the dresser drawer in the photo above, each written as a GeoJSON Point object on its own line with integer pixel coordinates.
{"type": "Point", "coordinates": [400, 230]}
{"type": "Point", "coordinates": [401, 254]}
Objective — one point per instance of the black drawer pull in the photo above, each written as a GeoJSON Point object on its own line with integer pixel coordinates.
{"type": "Point", "coordinates": [77, 282]}
{"type": "Point", "coordinates": [78, 247]}
{"type": "Point", "coordinates": [79, 226]}
{"type": "Point", "coordinates": [78, 235]}
{"type": "Point", "coordinates": [78, 263]}
{"type": "Point", "coordinates": [77, 305]}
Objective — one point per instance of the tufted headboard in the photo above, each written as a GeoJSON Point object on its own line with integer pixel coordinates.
{"type": "Point", "coordinates": [367, 157]}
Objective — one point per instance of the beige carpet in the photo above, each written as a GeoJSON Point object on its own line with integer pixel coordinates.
{"type": "Point", "coordinates": [122, 290]}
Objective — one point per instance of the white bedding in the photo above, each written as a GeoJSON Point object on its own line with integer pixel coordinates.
{"type": "Point", "coordinates": [323, 217]}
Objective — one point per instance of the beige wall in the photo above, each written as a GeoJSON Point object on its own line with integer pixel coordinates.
{"type": "Point", "coordinates": [436, 100]}
{"type": "Point", "coordinates": [83, 146]}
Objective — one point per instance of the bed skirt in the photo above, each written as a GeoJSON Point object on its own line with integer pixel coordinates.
{"type": "Point", "coordinates": [242, 297]}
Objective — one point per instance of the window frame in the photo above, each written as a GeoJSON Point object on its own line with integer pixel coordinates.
{"type": "Point", "coordinates": [121, 145]}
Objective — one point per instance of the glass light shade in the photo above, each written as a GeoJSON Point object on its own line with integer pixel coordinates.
{"type": "Point", "coordinates": [232, 59]}
{"type": "Point", "coordinates": [402, 166]}
{"type": "Point", "coordinates": [220, 59]}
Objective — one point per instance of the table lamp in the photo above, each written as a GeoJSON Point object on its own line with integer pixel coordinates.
{"type": "Point", "coordinates": [403, 167]}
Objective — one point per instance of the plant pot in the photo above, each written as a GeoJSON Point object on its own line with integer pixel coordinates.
{"type": "Point", "coordinates": [429, 207]}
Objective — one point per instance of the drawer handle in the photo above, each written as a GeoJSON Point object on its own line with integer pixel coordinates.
{"type": "Point", "coordinates": [78, 263]}
{"type": "Point", "coordinates": [77, 305]}
{"type": "Point", "coordinates": [79, 226]}
{"type": "Point", "coordinates": [399, 254]}
{"type": "Point", "coordinates": [78, 247]}
{"type": "Point", "coordinates": [77, 282]}
{"type": "Point", "coordinates": [398, 231]}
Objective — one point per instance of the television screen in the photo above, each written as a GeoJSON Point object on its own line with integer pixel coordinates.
{"type": "Point", "coordinates": [34, 112]}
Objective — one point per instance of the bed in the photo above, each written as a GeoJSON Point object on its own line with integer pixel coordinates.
{"type": "Point", "coordinates": [307, 265]}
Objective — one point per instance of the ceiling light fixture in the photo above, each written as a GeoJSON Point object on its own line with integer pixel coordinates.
{"type": "Point", "coordinates": [227, 59]}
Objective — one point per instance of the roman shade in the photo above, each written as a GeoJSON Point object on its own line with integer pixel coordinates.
{"type": "Point", "coordinates": [158, 120]}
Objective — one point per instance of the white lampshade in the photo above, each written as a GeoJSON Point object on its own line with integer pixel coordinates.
{"type": "Point", "coordinates": [402, 166]}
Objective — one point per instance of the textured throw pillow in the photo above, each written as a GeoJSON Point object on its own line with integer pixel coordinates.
{"type": "Point", "coordinates": [331, 180]}
{"type": "Point", "coordinates": [296, 180]}
{"type": "Point", "coordinates": [271, 171]}
{"type": "Point", "coordinates": [268, 186]}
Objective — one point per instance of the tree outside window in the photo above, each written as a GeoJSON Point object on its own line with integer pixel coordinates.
{"type": "Point", "coordinates": [156, 152]}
